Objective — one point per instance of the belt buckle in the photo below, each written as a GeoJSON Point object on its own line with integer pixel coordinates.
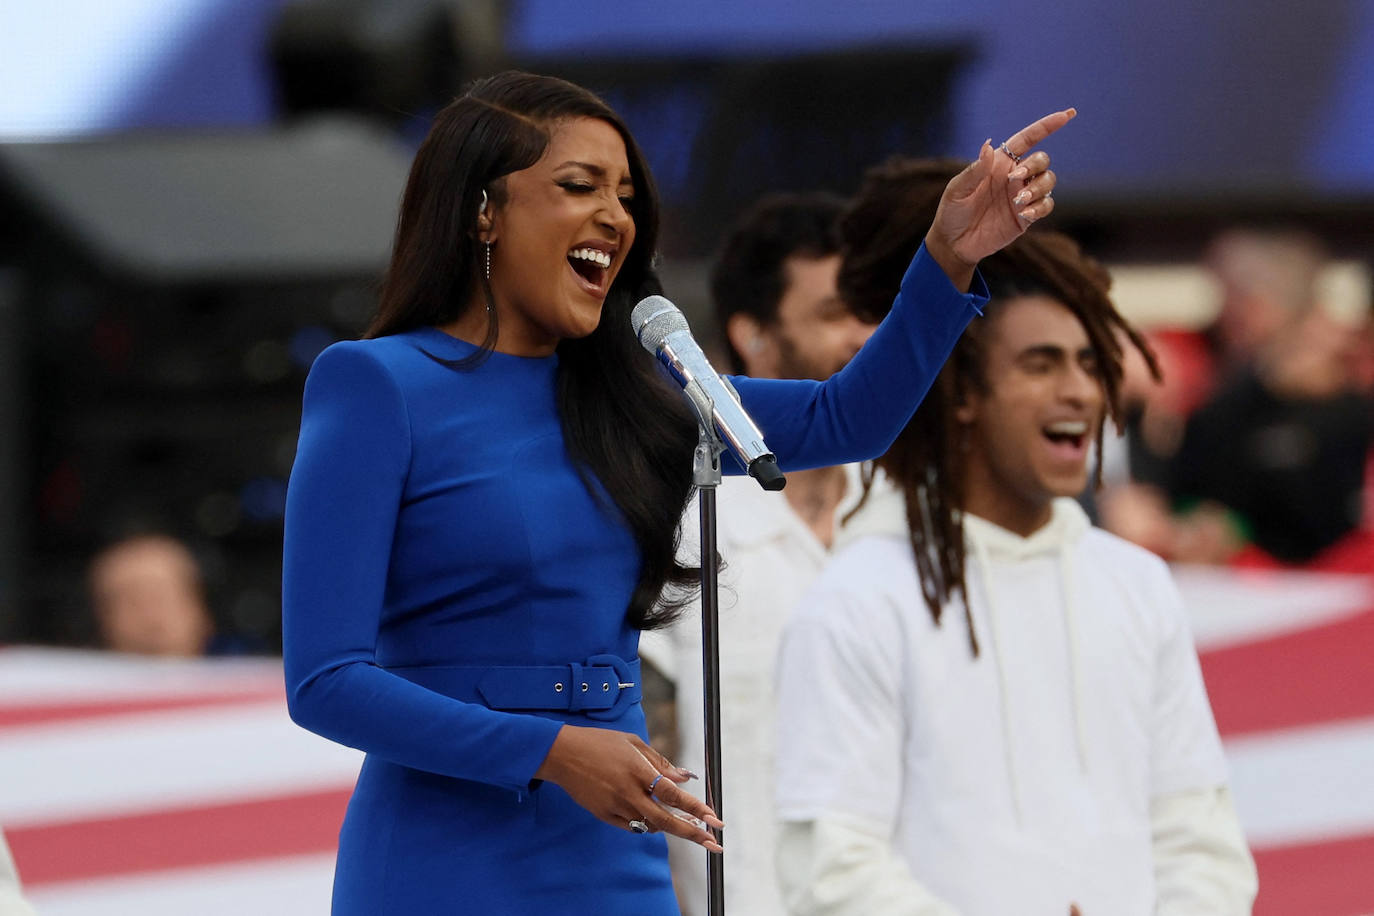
{"type": "Point", "coordinates": [625, 680]}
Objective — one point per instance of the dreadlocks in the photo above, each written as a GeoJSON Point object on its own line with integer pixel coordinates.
{"type": "Point", "coordinates": [890, 215]}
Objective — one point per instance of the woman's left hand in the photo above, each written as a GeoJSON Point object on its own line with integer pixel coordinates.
{"type": "Point", "coordinates": [991, 202]}
{"type": "Point", "coordinates": [616, 776]}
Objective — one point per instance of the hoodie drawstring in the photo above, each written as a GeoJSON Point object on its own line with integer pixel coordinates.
{"type": "Point", "coordinates": [1075, 674]}
{"type": "Point", "coordinates": [984, 581]}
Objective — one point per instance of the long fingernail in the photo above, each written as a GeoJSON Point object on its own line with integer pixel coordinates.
{"type": "Point", "coordinates": [1019, 172]}
{"type": "Point", "coordinates": [695, 822]}
{"type": "Point", "coordinates": [1021, 198]}
{"type": "Point", "coordinates": [688, 773]}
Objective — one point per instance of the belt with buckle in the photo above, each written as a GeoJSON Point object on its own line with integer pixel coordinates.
{"type": "Point", "coordinates": [602, 687]}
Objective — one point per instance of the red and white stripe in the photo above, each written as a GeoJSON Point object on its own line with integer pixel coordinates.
{"type": "Point", "coordinates": [172, 787]}
{"type": "Point", "coordinates": [161, 787]}
{"type": "Point", "coordinates": [1289, 664]}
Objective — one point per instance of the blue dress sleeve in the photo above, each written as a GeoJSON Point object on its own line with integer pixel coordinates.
{"type": "Point", "coordinates": [857, 413]}
{"type": "Point", "coordinates": [342, 505]}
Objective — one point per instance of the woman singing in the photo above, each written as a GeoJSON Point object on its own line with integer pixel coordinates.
{"type": "Point", "coordinates": [486, 492]}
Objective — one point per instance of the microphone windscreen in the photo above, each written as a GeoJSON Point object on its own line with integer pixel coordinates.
{"type": "Point", "coordinates": [653, 319]}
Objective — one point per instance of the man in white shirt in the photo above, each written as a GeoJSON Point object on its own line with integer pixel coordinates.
{"type": "Point", "coordinates": [994, 708]}
{"type": "Point", "coordinates": [773, 286]}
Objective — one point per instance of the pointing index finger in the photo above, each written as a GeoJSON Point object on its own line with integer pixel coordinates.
{"type": "Point", "coordinates": [1024, 140]}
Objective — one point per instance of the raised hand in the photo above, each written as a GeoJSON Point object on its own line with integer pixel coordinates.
{"type": "Point", "coordinates": [991, 202]}
{"type": "Point", "coordinates": [626, 783]}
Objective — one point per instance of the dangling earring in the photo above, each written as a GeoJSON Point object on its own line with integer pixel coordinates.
{"type": "Point", "coordinates": [486, 256]}
{"type": "Point", "coordinates": [482, 211]}
{"type": "Point", "coordinates": [486, 286]}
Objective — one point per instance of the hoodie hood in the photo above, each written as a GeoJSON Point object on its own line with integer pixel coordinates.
{"type": "Point", "coordinates": [1068, 522]}
{"type": "Point", "coordinates": [884, 513]}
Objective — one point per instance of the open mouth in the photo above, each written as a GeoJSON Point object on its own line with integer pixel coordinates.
{"type": "Point", "coordinates": [591, 266]}
{"type": "Point", "coordinates": [1071, 434]}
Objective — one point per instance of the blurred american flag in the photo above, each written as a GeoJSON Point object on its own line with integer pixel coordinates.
{"type": "Point", "coordinates": [154, 786]}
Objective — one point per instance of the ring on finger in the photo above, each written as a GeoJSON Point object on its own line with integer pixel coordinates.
{"type": "Point", "coordinates": [638, 826]}
{"type": "Point", "coordinates": [1006, 149]}
{"type": "Point", "coordinates": [654, 783]}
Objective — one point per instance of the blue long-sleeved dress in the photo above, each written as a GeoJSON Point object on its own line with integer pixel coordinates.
{"type": "Point", "coordinates": [453, 594]}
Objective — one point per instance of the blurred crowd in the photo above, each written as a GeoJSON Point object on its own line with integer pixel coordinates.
{"type": "Point", "coordinates": [1253, 449]}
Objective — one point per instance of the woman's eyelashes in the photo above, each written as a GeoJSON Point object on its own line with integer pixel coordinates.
{"type": "Point", "coordinates": [581, 187]}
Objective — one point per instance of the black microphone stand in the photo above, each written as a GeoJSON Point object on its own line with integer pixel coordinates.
{"type": "Point", "coordinates": [706, 477]}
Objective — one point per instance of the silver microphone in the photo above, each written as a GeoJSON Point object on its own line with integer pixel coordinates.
{"type": "Point", "coordinates": [662, 330]}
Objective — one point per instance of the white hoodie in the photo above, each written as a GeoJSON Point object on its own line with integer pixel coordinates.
{"type": "Point", "coordinates": [1075, 762]}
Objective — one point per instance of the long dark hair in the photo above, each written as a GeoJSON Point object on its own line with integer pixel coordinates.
{"type": "Point", "coordinates": [890, 216]}
{"type": "Point", "coordinates": [622, 424]}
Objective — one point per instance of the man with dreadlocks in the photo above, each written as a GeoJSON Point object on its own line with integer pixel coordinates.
{"type": "Point", "coordinates": [1048, 747]}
